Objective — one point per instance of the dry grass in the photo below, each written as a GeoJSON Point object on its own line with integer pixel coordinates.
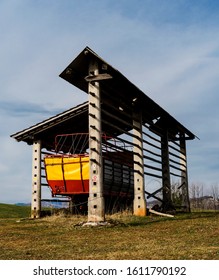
{"type": "Point", "coordinates": [187, 236]}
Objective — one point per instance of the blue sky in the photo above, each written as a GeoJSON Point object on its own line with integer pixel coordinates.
{"type": "Point", "coordinates": [169, 49]}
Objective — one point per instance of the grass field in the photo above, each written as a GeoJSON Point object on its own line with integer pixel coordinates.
{"type": "Point", "coordinates": [187, 236]}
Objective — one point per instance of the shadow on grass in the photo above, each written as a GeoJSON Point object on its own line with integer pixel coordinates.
{"type": "Point", "coordinates": [143, 221]}
{"type": "Point", "coordinates": [198, 215]}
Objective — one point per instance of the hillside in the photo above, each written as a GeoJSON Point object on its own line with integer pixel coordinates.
{"type": "Point", "coordinates": [186, 236]}
{"type": "Point", "coordinates": [14, 211]}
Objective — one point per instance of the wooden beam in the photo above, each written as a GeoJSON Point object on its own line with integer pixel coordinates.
{"type": "Point", "coordinates": [36, 180]}
{"type": "Point", "coordinates": [139, 205]}
{"type": "Point", "coordinates": [96, 207]}
{"type": "Point", "coordinates": [184, 173]}
{"type": "Point", "coordinates": [167, 202]}
{"type": "Point", "coordinates": [98, 77]}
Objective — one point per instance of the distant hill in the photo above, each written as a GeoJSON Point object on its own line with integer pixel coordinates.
{"type": "Point", "coordinates": [48, 204]}
{"type": "Point", "coordinates": [23, 210]}
{"type": "Point", "coordinates": [22, 204]}
{"type": "Point", "coordinates": [14, 211]}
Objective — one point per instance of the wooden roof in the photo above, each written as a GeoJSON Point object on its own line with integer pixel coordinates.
{"type": "Point", "coordinates": [119, 98]}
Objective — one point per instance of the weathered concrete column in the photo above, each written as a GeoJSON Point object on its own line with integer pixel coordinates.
{"type": "Point", "coordinates": [167, 201]}
{"type": "Point", "coordinates": [96, 207]}
{"type": "Point", "coordinates": [139, 205]}
{"type": "Point", "coordinates": [184, 173]}
{"type": "Point", "coordinates": [36, 180]}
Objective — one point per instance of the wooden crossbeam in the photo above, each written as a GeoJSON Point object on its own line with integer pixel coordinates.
{"type": "Point", "coordinates": [99, 77]}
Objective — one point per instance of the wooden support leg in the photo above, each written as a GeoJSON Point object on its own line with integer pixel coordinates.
{"type": "Point", "coordinates": [184, 180]}
{"type": "Point", "coordinates": [36, 180]}
{"type": "Point", "coordinates": [96, 207]}
{"type": "Point", "coordinates": [167, 201]}
{"type": "Point", "coordinates": [139, 206]}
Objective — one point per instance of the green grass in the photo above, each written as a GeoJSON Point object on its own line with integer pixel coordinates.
{"type": "Point", "coordinates": [187, 236]}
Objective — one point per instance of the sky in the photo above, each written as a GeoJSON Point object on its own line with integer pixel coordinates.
{"type": "Point", "coordinates": [169, 49]}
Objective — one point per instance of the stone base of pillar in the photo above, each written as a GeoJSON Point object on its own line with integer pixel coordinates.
{"type": "Point", "coordinates": [35, 214]}
{"type": "Point", "coordinates": [139, 207]}
{"type": "Point", "coordinates": [96, 209]}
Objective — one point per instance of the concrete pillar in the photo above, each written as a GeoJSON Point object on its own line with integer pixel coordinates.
{"type": "Point", "coordinates": [139, 205]}
{"type": "Point", "coordinates": [184, 173]}
{"type": "Point", "coordinates": [167, 201]}
{"type": "Point", "coordinates": [36, 180]}
{"type": "Point", "coordinates": [96, 207]}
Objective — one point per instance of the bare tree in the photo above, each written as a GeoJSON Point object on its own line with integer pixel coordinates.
{"type": "Point", "coordinates": [196, 194]}
{"type": "Point", "coordinates": [176, 194]}
{"type": "Point", "coordinates": [215, 195]}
